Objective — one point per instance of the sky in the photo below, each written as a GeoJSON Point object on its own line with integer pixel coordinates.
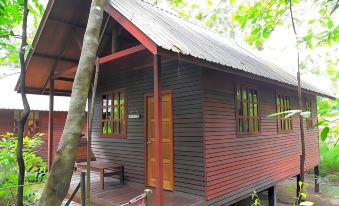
{"type": "Point", "coordinates": [10, 99]}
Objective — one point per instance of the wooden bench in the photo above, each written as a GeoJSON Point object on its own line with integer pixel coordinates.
{"type": "Point", "coordinates": [105, 169]}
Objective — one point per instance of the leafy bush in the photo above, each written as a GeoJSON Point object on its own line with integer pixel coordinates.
{"type": "Point", "coordinates": [35, 169]}
{"type": "Point", "coordinates": [329, 158]}
{"type": "Point", "coordinates": [328, 119]}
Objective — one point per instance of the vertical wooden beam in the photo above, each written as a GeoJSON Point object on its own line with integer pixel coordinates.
{"type": "Point", "coordinates": [316, 179]}
{"type": "Point", "coordinates": [114, 42]}
{"type": "Point", "coordinates": [83, 188]}
{"type": "Point", "coordinates": [158, 130]}
{"type": "Point", "coordinates": [50, 123]}
{"type": "Point", "coordinates": [272, 196]}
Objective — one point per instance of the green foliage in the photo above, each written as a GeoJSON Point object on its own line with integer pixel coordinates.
{"type": "Point", "coordinates": [324, 133]}
{"type": "Point", "coordinates": [301, 199]}
{"type": "Point", "coordinates": [329, 158]}
{"type": "Point", "coordinates": [261, 18]}
{"type": "Point", "coordinates": [35, 169]}
{"type": "Point", "coordinates": [328, 111]}
{"type": "Point", "coordinates": [10, 26]}
{"type": "Point", "coordinates": [255, 199]}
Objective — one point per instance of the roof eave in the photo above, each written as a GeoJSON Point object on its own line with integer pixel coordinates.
{"type": "Point", "coordinates": [235, 71]}
{"type": "Point", "coordinates": [36, 37]}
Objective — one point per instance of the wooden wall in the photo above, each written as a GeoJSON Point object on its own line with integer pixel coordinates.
{"type": "Point", "coordinates": [187, 124]}
{"type": "Point", "coordinates": [59, 123]}
{"type": "Point", "coordinates": [235, 166]}
{"type": "Point", "coordinates": [6, 121]}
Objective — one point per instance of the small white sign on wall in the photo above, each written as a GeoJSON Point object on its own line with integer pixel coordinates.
{"type": "Point", "coordinates": [134, 116]}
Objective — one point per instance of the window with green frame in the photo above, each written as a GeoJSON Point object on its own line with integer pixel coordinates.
{"type": "Point", "coordinates": [247, 111]}
{"type": "Point", "coordinates": [283, 105]}
{"type": "Point", "coordinates": [113, 113]}
{"type": "Point", "coordinates": [308, 107]}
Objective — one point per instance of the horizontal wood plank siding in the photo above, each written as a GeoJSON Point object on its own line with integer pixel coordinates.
{"type": "Point", "coordinates": [6, 121]}
{"type": "Point", "coordinates": [59, 123]}
{"type": "Point", "coordinates": [235, 165]}
{"type": "Point", "coordinates": [7, 125]}
{"type": "Point", "coordinates": [186, 85]}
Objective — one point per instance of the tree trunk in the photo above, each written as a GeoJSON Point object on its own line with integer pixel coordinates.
{"type": "Point", "coordinates": [302, 132]}
{"type": "Point", "coordinates": [25, 113]}
{"type": "Point", "coordinates": [59, 178]}
{"type": "Point", "coordinates": [300, 105]}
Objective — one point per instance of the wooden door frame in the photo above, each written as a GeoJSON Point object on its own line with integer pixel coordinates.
{"type": "Point", "coordinates": [146, 95]}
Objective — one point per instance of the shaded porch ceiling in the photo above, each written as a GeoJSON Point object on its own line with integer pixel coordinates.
{"type": "Point", "coordinates": [57, 46]}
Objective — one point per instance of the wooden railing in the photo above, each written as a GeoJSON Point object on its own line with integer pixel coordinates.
{"type": "Point", "coordinates": [82, 188]}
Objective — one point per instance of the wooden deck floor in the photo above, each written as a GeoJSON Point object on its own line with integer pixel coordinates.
{"type": "Point", "coordinates": [115, 194]}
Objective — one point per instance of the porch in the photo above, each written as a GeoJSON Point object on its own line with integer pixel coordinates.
{"type": "Point", "coordinates": [116, 194]}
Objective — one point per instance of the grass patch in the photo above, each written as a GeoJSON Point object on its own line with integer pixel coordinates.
{"type": "Point", "coordinates": [329, 159]}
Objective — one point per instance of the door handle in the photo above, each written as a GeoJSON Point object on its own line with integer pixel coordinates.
{"type": "Point", "coordinates": [149, 142]}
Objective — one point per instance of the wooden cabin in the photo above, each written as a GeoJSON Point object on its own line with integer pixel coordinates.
{"type": "Point", "coordinates": [37, 122]}
{"type": "Point", "coordinates": [177, 98]}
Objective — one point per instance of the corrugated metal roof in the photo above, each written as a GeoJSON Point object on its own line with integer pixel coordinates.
{"type": "Point", "coordinates": [173, 33]}
{"type": "Point", "coordinates": [10, 99]}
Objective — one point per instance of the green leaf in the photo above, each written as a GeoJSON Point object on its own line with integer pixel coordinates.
{"type": "Point", "coordinates": [255, 31]}
{"type": "Point", "coordinates": [265, 34]}
{"type": "Point", "coordinates": [309, 44]}
{"type": "Point", "coordinates": [311, 21]}
{"type": "Point", "coordinates": [324, 133]}
{"type": "Point", "coordinates": [303, 195]}
{"type": "Point", "coordinates": [300, 183]}
{"type": "Point", "coordinates": [330, 24]}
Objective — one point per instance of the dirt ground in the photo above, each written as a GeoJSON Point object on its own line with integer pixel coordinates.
{"type": "Point", "coordinates": [286, 194]}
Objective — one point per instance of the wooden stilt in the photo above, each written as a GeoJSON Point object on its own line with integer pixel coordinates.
{"type": "Point", "coordinates": [158, 130]}
{"type": "Point", "coordinates": [50, 124]}
{"type": "Point", "coordinates": [316, 179]}
{"type": "Point", "coordinates": [83, 188]}
{"type": "Point", "coordinates": [272, 196]}
{"type": "Point", "coordinates": [89, 134]}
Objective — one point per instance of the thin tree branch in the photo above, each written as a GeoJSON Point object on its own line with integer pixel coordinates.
{"type": "Point", "coordinates": [336, 143]}
{"type": "Point", "coordinates": [25, 114]}
{"type": "Point", "coordinates": [292, 18]}
{"type": "Point", "coordinates": [334, 7]}
{"type": "Point", "coordinates": [213, 10]}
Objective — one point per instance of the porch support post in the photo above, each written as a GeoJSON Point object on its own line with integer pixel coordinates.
{"type": "Point", "coordinates": [50, 123]}
{"type": "Point", "coordinates": [158, 130]}
{"type": "Point", "coordinates": [316, 179]}
{"type": "Point", "coordinates": [272, 196]}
